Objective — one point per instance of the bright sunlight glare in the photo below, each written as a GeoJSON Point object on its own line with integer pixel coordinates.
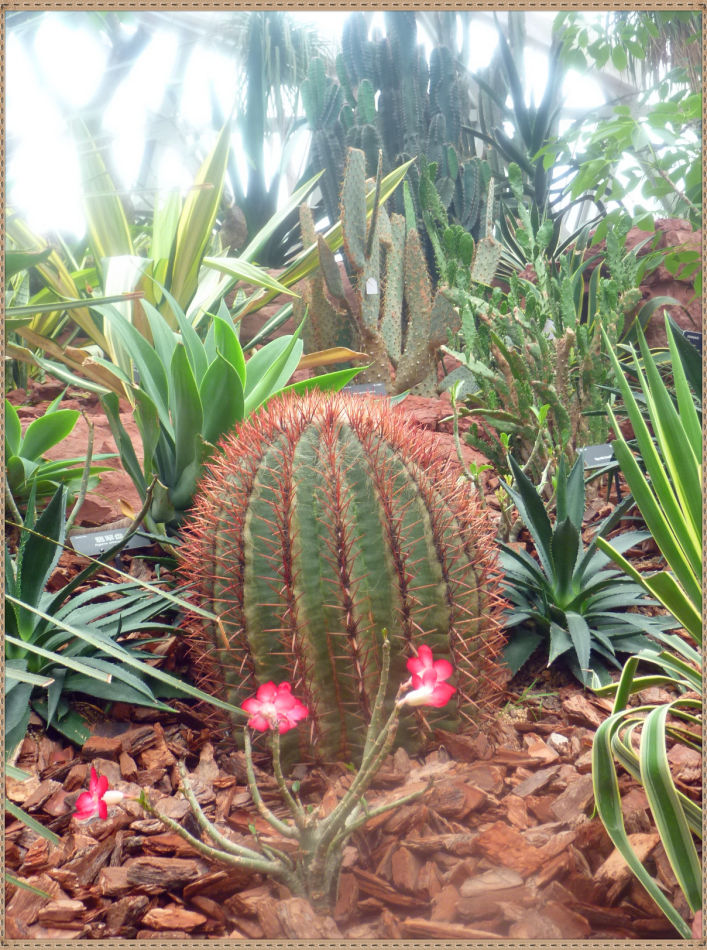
{"type": "Point", "coordinates": [49, 80]}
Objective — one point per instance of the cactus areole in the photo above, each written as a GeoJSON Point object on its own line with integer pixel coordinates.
{"type": "Point", "coordinates": [324, 519]}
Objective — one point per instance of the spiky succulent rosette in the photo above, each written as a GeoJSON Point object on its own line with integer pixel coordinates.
{"type": "Point", "coordinates": [325, 519]}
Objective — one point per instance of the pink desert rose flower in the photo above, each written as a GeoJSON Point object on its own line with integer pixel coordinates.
{"type": "Point", "coordinates": [95, 802]}
{"type": "Point", "coordinates": [274, 707]}
{"type": "Point", "coordinates": [428, 680]}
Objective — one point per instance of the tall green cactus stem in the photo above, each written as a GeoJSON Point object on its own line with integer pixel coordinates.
{"type": "Point", "coordinates": [386, 98]}
{"type": "Point", "coordinates": [323, 521]}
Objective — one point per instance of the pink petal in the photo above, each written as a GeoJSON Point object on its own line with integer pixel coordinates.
{"type": "Point", "coordinates": [443, 669]}
{"type": "Point", "coordinates": [101, 786]}
{"type": "Point", "coordinates": [284, 724]}
{"type": "Point", "coordinates": [429, 678]}
{"type": "Point", "coordinates": [284, 701]}
{"type": "Point", "coordinates": [85, 806]}
{"type": "Point", "coordinates": [422, 661]}
{"type": "Point", "coordinates": [267, 693]}
{"type": "Point", "coordinates": [93, 781]}
{"type": "Point", "coordinates": [102, 809]}
{"type": "Point", "coordinates": [441, 695]}
{"type": "Point", "coordinates": [251, 705]}
{"type": "Point", "coordinates": [300, 711]}
{"type": "Point", "coordinates": [285, 688]}
{"type": "Point", "coordinates": [415, 665]}
{"type": "Point", "coordinates": [259, 722]}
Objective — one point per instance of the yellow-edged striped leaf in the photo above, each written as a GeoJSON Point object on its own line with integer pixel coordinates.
{"type": "Point", "coordinates": [666, 808]}
{"type": "Point", "coordinates": [107, 225]}
{"type": "Point", "coordinates": [196, 221]}
{"type": "Point", "coordinates": [608, 804]}
{"type": "Point", "coordinates": [57, 277]}
{"type": "Point", "coordinates": [336, 354]}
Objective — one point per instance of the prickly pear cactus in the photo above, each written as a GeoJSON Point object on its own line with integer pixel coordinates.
{"type": "Point", "coordinates": [325, 519]}
{"type": "Point", "coordinates": [386, 305]}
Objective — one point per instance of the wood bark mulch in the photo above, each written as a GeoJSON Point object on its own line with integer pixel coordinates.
{"type": "Point", "coordinates": [503, 846]}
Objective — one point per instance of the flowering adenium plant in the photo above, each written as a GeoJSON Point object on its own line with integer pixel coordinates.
{"type": "Point", "coordinates": [312, 871]}
{"type": "Point", "coordinates": [274, 707]}
{"type": "Point", "coordinates": [94, 803]}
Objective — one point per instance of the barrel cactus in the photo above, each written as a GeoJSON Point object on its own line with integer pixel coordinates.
{"type": "Point", "coordinates": [324, 519]}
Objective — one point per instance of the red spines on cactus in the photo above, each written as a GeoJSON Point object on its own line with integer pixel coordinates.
{"type": "Point", "coordinates": [325, 519]}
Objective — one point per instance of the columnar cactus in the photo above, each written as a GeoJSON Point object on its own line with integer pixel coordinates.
{"type": "Point", "coordinates": [325, 519]}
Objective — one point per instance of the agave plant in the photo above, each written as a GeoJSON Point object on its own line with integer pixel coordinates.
{"type": "Point", "coordinates": [669, 497]}
{"type": "Point", "coordinates": [67, 642]}
{"type": "Point", "coordinates": [570, 597]}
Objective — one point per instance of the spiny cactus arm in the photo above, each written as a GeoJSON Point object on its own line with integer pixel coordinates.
{"type": "Point", "coordinates": [326, 327]}
{"type": "Point", "coordinates": [330, 270]}
{"type": "Point", "coordinates": [369, 292]}
{"type": "Point", "coordinates": [353, 208]}
{"type": "Point", "coordinates": [373, 223]}
{"type": "Point", "coordinates": [391, 322]}
{"type": "Point", "coordinates": [487, 257]}
{"type": "Point", "coordinates": [280, 826]}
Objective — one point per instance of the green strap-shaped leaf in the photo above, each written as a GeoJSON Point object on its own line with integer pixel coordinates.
{"type": "Point", "coordinates": [222, 400]}
{"type": "Point", "coordinates": [681, 457]}
{"type": "Point", "coordinates": [39, 553]}
{"type": "Point", "coordinates": [38, 828]}
{"type": "Point", "coordinates": [327, 382]}
{"type": "Point", "coordinates": [581, 637]}
{"type": "Point", "coordinates": [681, 602]}
{"type": "Point", "coordinates": [59, 658]}
{"type": "Point", "coordinates": [532, 511]}
{"type": "Point", "coordinates": [186, 411]}
{"type": "Point", "coordinates": [197, 220]}
{"type": "Point", "coordinates": [565, 548]}
{"type": "Point", "coordinates": [47, 431]}
{"type": "Point", "coordinates": [672, 509]}
{"type": "Point", "coordinates": [164, 338]}
{"type": "Point", "coordinates": [270, 368]}
{"type": "Point", "coordinates": [664, 519]}
{"type": "Point", "coordinates": [124, 443]}
{"type": "Point", "coordinates": [123, 655]}
{"type": "Point", "coordinates": [152, 374]}
{"type": "Point", "coordinates": [13, 430]}
{"type": "Point", "coordinates": [228, 345]}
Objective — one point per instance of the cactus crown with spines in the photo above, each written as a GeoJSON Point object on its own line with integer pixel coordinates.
{"type": "Point", "coordinates": [324, 520]}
